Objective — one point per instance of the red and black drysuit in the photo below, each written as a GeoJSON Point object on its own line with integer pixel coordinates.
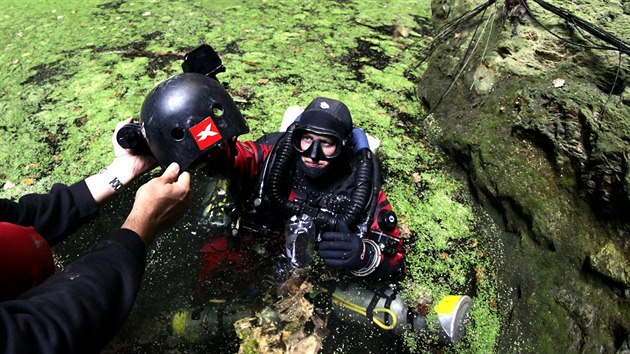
{"type": "Point", "coordinates": [247, 170]}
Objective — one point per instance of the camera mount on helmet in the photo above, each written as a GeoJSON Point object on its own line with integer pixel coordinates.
{"type": "Point", "coordinates": [203, 60]}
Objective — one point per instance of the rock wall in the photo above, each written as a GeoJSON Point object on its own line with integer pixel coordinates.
{"type": "Point", "coordinates": [539, 115]}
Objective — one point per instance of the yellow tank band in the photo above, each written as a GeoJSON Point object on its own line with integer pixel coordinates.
{"type": "Point", "coordinates": [216, 301]}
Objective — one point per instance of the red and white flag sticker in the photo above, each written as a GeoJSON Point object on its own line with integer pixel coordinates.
{"type": "Point", "coordinates": [205, 133]}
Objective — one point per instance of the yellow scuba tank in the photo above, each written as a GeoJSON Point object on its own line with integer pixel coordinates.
{"type": "Point", "coordinates": [199, 324]}
{"type": "Point", "coordinates": [385, 309]}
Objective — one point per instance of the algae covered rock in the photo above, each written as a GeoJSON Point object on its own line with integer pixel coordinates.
{"type": "Point", "coordinates": [536, 109]}
{"type": "Point", "coordinates": [611, 262]}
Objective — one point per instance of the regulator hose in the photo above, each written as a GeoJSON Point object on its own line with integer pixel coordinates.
{"type": "Point", "coordinates": [360, 142]}
{"type": "Point", "coordinates": [274, 185]}
{"type": "Point", "coordinates": [359, 198]}
{"type": "Point", "coordinates": [376, 187]}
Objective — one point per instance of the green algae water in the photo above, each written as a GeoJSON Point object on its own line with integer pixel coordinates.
{"type": "Point", "coordinates": [69, 71]}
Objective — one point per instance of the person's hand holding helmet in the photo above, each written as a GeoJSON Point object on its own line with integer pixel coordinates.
{"type": "Point", "coordinates": [124, 168]}
{"type": "Point", "coordinates": [126, 163]}
{"type": "Point", "coordinates": [159, 203]}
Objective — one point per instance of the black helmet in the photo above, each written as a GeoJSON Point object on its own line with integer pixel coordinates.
{"type": "Point", "coordinates": [186, 116]}
{"type": "Point", "coordinates": [325, 116]}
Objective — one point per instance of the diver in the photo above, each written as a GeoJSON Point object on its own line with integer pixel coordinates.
{"type": "Point", "coordinates": [320, 170]}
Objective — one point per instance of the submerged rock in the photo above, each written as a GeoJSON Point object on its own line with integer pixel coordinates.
{"type": "Point", "coordinates": [611, 262]}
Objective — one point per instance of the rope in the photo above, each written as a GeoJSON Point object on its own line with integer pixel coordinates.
{"type": "Point", "coordinates": [445, 32]}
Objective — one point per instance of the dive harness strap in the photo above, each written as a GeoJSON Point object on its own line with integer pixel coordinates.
{"type": "Point", "coordinates": [378, 294]}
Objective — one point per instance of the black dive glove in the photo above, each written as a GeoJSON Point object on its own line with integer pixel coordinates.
{"type": "Point", "coordinates": [344, 250]}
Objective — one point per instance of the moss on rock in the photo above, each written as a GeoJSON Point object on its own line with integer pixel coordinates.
{"type": "Point", "coordinates": [543, 136]}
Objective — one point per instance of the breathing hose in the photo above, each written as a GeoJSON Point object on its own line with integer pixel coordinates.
{"type": "Point", "coordinates": [274, 186]}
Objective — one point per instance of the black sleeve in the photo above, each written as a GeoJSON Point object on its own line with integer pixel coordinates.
{"type": "Point", "coordinates": [80, 309]}
{"type": "Point", "coordinates": [54, 215]}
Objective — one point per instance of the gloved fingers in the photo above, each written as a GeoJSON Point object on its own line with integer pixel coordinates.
{"type": "Point", "coordinates": [336, 236]}
{"type": "Point", "coordinates": [334, 254]}
{"type": "Point", "coordinates": [336, 245]}
{"type": "Point", "coordinates": [335, 262]}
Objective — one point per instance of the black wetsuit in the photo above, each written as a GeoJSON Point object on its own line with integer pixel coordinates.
{"type": "Point", "coordinates": [81, 308]}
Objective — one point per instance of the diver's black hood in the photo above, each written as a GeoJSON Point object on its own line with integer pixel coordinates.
{"type": "Point", "coordinates": [326, 116]}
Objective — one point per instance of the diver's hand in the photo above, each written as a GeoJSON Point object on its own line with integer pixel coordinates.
{"type": "Point", "coordinates": [159, 203]}
{"type": "Point", "coordinates": [124, 168]}
{"type": "Point", "coordinates": [344, 250]}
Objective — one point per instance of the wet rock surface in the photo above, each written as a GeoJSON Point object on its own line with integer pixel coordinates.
{"type": "Point", "coordinates": [542, 126]}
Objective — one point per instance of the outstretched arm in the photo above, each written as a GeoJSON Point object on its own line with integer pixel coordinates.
{"type": "Point", "coordinates": [80, 309]}
{"type": "Point", "coordinates": [65, 208]}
